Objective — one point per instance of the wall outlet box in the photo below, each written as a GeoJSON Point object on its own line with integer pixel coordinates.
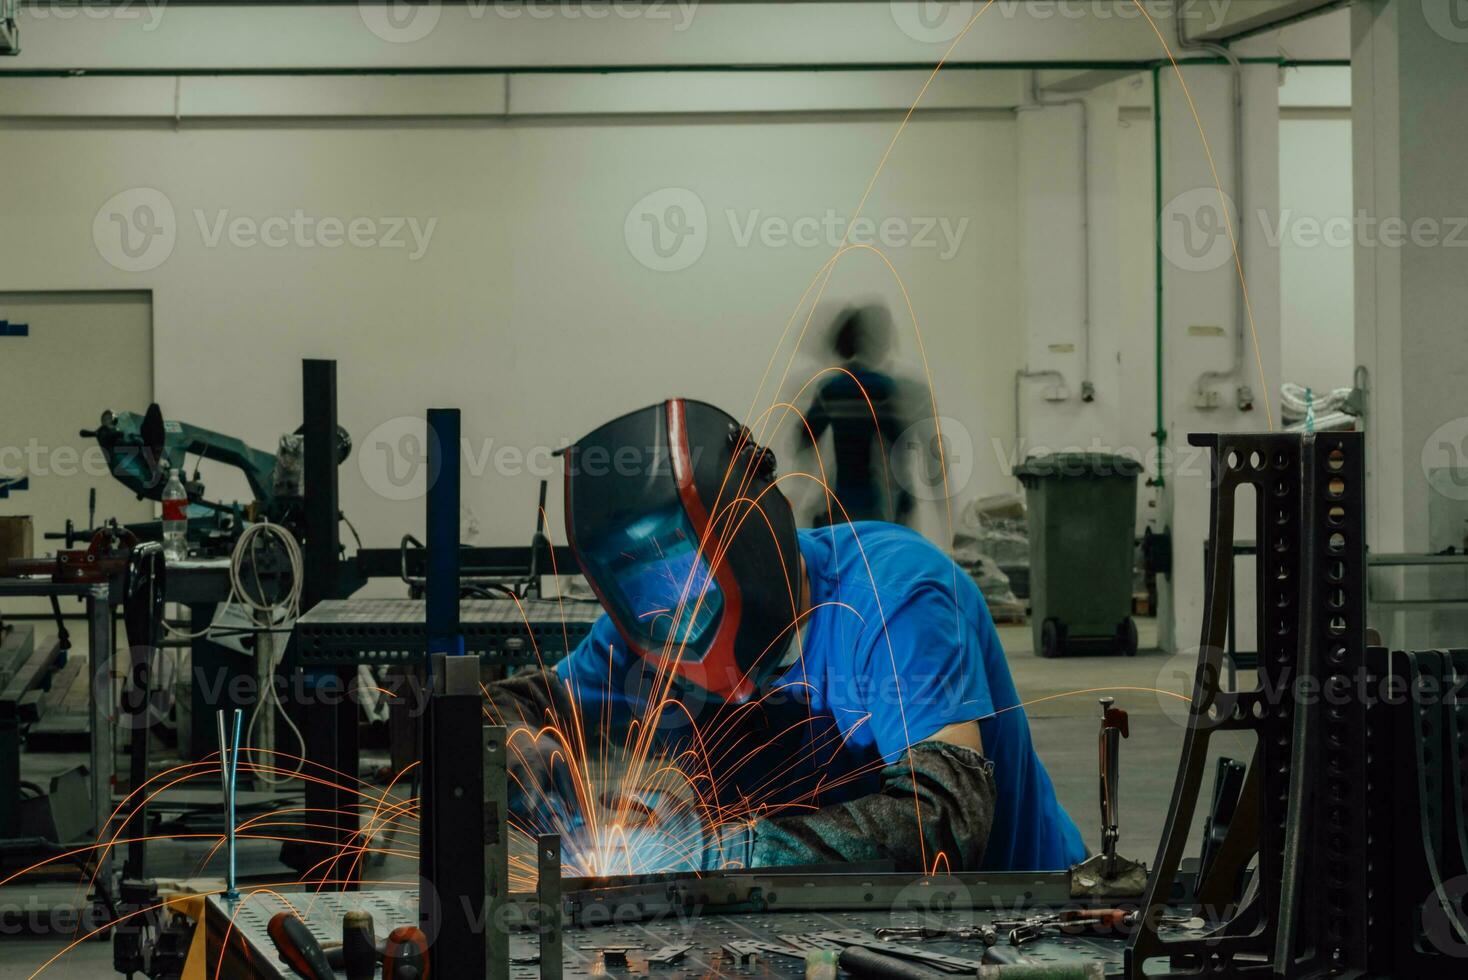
{"type": "Point", "coordinates": [1206, 401]}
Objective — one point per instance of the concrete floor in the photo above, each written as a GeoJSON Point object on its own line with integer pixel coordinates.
{"type": "Point", "coordinates": [1061, 697]}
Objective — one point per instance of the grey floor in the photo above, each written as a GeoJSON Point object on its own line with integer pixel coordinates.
{"type": "Point", "coordinates": [1063, 713]}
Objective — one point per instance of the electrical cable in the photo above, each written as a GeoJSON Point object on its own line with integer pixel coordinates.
{"type": "Point", "coordinates": [351, 527]}
{"type": "Point", "coordinates": [263, 615]}
{"type": "Point", "coordinates": [1292, 397]}
{"type": "Point", "coordinates": [291, 604]}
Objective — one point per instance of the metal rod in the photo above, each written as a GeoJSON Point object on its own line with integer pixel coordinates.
{"type": "Point", "coordinates": [229, 745]}
{"type": "Point", "coordinates": [441, 590]}
{"type": "Point", "coordinates": [1110, 780]}
{"type": "Point", "coordinates": [230, 891]}
{"type": "Point", "coordinates": [99, 613]}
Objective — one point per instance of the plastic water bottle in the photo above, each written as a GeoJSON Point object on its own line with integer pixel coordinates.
{"type": "Point", "coordinates": [175, 519]}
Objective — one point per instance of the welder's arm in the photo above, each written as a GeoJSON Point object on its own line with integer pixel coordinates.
{"type": "Point", "coordinates": [538, 710]}
{"type": "Point", "coordinates": [937, 799]}
{"type": "Point", "coordinates": [532, 699]}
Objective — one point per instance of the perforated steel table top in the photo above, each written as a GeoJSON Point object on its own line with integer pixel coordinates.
{"type": "Point", "coordinates": [706, 935]}
{"type": "Point", "coordinates": [393, 631]}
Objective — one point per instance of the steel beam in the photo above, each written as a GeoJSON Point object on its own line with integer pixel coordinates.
{"type": "Point", "coordinates": [548, 907]}
{"type": "Point", "coordinates": [100, 713]}
{"type": "Point", "coordinates": [329, 716]}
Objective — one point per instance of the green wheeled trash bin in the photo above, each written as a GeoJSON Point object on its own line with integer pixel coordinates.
{"type": "Point", "coordinates": [1082, 515]}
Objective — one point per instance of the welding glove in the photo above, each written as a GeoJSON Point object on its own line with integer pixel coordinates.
{"type": "Point", "coordinates": [937, 799]}
{"type": "Point", "coordinates": [541, 782]}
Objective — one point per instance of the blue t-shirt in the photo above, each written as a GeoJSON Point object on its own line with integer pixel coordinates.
{"type": "Point", "coordinates": [899, 644]}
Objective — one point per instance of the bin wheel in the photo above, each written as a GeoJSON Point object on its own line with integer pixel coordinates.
{"type": "Point", "coordinates": [1052, 638]}
{"type": "Point", "coordinates": [1126, 637]}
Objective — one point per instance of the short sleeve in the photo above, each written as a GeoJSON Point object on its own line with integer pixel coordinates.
{"type": "Point", "coordinates": [924, 672]}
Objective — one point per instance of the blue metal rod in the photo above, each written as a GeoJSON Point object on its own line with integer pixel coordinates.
{"type": "Point", "coordinates": [230, 891]}
{"type": "Point", "coordinates": [441, 588]}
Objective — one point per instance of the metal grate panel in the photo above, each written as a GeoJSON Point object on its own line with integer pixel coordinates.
{"type": "Point", "coordinates": [393, 631]}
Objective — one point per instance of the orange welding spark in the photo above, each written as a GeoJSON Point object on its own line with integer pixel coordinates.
{"type": "Point", "coordinates": [1094, 690]}
{"type": "Point", "coordinates": [381, 816]}
{"type": "Point", "coordinates": [891, 655]}
{"type": "Point", "coordinates": [199, 768]}
{"type": "Point", "coordinates": [694, 771]}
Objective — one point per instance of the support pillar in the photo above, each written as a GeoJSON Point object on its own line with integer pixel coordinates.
{"type": "Point", "coordinates": [1211, 382]}
{"type": "Point", "coordinates": [1410, 132]}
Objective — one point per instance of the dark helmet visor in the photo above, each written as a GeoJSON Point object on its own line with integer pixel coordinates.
{"type": "Point", "coordinates": [662, 586]}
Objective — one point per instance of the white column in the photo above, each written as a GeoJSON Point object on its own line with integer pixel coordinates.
{"type": "Point", "coordinates": [1409, 92]}
{"type": "Point", "coordinates": [1070, 268]}
{"type": "Point", "coordinates": [1201, 307]}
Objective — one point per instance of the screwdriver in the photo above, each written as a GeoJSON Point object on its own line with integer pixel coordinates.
{"type": "Point", "coordinates": [298, 947]}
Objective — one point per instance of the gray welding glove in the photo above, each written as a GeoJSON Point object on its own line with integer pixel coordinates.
{"type": "Point", "coordinates": [954, 792]}
{"type": "Point", "coordinates": [542, 786]}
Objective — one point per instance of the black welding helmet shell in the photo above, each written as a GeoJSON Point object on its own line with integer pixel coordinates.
{"type": "Point", "coordinates": [675, 519]}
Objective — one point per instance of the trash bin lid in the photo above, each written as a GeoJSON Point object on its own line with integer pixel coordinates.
{"type": "Point", "coordinates": [1090, 465]}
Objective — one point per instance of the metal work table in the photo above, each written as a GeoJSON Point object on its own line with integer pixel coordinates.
{"type": "Point", "coordinates": [101, 706]}
{"type": "Point", "coordinates": [800, 923]}
{"type": "Point", "coordinates": [195, 581]}
{"type": "Point", "coordinates": [524, 632]}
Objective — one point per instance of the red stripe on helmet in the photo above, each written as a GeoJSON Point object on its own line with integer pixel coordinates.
{"type": "Point", "coordinates": [718, 672]}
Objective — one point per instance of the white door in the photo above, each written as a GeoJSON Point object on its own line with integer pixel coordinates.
{"type": "Point", "coordinates": [64, 357]}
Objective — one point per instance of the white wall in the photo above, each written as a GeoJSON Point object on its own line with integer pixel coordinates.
{"type": "Point", "coordinates": [1317, 306]}
{"type": "Point", "coordinates": [1312, 327]}
{"type": "Point", "coordinates": [528, 309]}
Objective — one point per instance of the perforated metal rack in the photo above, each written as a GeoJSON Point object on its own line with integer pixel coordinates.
{"type": "Point", "coordinates": [239, 926]}
{"type": "Point", "coordinates": [1304, 810]}
{"type": "Point", "coordinates": [393, 631]}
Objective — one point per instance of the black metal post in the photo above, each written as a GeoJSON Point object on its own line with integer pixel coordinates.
{"type": "Point", "coordinates": [548, 906]}
{"type": "Point", "coordinates": [329, 715]}
{"type": "Point", "coordinates": [453, 826]}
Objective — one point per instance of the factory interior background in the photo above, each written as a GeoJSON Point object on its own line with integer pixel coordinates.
{"type": "Point", "coordinates": [1094, 228]}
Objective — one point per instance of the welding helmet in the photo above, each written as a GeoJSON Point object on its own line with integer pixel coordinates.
{"type": "Point", "coordinates": [675, 519]}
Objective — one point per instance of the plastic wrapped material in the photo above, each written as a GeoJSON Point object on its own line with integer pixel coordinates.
{"type": "Point", "coordinates": [992, 544]}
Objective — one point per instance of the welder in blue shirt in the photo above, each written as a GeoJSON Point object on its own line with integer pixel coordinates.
{"type": "Point", "coordinates": [828, 695]}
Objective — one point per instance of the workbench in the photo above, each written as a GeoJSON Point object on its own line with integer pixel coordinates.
{"type": "Point", "coordinates": [101, 705]}
{"type": "Point", "coordinates": [511, 632]}
{"type": "Point", "coordinates": [722, 944]}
